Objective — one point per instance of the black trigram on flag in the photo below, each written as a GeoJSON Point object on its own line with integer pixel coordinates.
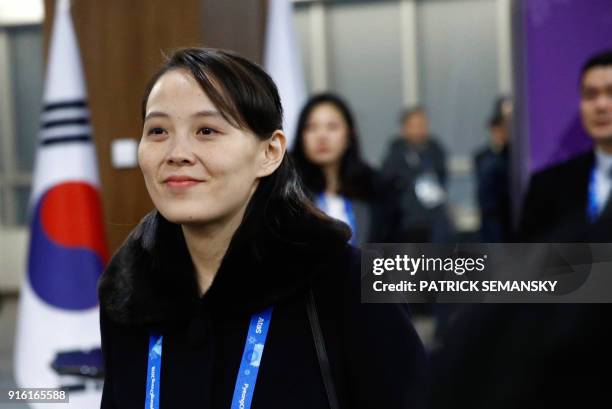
{"type": "Point", "coordinates": [65, 122]}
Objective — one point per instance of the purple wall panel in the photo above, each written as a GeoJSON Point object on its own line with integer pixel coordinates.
{"type": "Point", "coordinates": [559, 36]}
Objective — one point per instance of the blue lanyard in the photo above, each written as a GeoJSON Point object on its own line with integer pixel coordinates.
{"type": "Point", "coordinates": [153, 372]}
{"type": "Point", "coordinates": [592, 206]}
{"type": "Point", "coordinates": [247, 374]}
{"type": "Point", "coordinates": [350, 214]}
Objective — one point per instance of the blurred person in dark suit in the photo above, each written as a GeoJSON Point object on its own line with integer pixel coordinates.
{"type": "Point", "coordinates": [571, 201]}
{"type": "Point", "coordinates": [415, 166]}
{"type": "Point", "coordinates": [492, 164]}
{"type": "Point", "coordinates": [339, 181]}
{"type": "Point", "coordinates": [545, 355]}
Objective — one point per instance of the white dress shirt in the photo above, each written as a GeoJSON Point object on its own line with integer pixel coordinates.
{"type": "Point", "coordinates": [603, 177]}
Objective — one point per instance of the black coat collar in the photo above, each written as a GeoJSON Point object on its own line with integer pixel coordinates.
{"type": "Point", "coordinates": [147, 284]}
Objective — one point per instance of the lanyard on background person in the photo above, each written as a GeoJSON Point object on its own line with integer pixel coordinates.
{"type": "Point", "coordinates": [247, 374]}
{"type": "Point", "coordinates": [592, 206]}
{"type": "Point", "coordinates": [348, 209]}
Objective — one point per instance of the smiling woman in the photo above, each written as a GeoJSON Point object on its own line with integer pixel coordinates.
{"type": "Point", "coordinates": [236, 258]}
{"type": "Point", "coordinates": [199, 169]}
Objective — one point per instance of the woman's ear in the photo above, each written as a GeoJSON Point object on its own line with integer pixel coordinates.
{"type": "Point", "coordinates": [272, 154]}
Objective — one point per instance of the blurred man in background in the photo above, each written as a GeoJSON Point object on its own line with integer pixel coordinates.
{"type": "Point", "coordinates": [492, 164]}
{"type": "Point", "coordinates": [570, 202]}
{"type": "Point", "coordinates": [545, 355]}
{"type": "Point", "coordinates": [416, 168]}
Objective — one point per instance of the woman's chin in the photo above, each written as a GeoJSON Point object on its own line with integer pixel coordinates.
{"type": "Point", "coordinates": [185, 217]}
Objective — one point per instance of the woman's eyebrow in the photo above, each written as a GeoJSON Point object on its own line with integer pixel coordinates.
{"type": "Point", "coordinates": [156, 114]}
{"type": "Point", "coordinates": [208, 112]}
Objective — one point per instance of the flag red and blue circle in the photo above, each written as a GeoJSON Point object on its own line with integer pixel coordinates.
{"type": "Point", "coordinates": [67, 248]}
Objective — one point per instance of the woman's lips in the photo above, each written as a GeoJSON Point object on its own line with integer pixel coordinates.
{"type": "Point", "coordinates": [181, 181]}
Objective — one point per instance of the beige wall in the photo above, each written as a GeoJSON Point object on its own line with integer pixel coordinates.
{"type": "Point", "coordinates": [13, 253]}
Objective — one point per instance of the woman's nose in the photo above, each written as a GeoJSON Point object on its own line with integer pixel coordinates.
{"type": "Point", "coordinates": [180, 153]}
{"type": "Point", "coordinates": [322, 135]}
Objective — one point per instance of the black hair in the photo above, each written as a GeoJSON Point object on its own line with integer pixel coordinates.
{"type": "Point", "coordinates": [497, 117]}
{"type": "Point", "coordinates": [248, 98]}
{"type": "Point", "coordinates": [498, 106]}
{"type": "Point", "coordinates": [356, 177]}
{"type": "Point", "coordinates": [602, 59]}
{"type": "Point", "coordinates": [410, 111]}
{"type": "Point", "coordinates": [496, 121]}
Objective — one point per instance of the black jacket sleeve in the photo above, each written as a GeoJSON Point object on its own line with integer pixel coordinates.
{"type": "Point", "coordinates": [385, 357]}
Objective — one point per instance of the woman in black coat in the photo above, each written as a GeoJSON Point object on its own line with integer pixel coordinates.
{"type": "Point", "coordinates": [235, 258]}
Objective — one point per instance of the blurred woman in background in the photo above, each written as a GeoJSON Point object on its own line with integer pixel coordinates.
{"type": "Point", "coordinates": [341, 183]}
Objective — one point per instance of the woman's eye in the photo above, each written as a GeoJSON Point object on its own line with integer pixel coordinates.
{"type": "Point", "coordinates": [156, 131]}
{"type": "Point", "coordinates": [207, 131]}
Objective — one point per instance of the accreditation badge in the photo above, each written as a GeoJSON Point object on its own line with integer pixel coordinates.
{"type": "Point", "coordinates": [429, 191]}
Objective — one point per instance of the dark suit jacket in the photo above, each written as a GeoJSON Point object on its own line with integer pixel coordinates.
{"type": "Point", "coordinates": [533, 355]}
{"type": "Point", "coordinates": [555, 208]}
{"type": "Point", "coordinates": [493, 194]}
{"type": "Point", "coordinates": [413, 221]}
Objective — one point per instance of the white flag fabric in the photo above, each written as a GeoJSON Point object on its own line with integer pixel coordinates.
{"type": "Point", "coordinates": [58, 325]}
{"type": "Point", "coordinates": [282, 61]}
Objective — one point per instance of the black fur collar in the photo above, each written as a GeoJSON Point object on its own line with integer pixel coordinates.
{"type": "Point", "coordinates": [150, 281]}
